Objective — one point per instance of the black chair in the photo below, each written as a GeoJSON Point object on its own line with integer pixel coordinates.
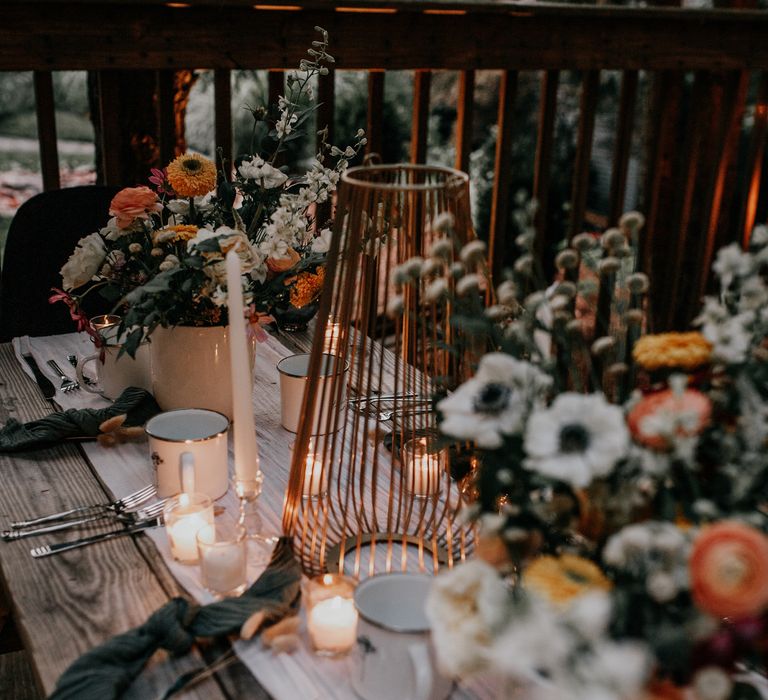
{"type": "Point", "coordinates": [42, 235]}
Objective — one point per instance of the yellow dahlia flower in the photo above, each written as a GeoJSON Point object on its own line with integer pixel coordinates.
{"type": "Point", "coordinates": [174, 234]}
{"type": "Point", "coordinates": [561, 579]}
{"type": "Point", "coordinates": [192, 175]}
{"type": "Point", "coordinates": [685, 351]}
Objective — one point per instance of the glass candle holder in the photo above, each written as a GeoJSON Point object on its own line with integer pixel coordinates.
{"type": "Point", "coordinates": [331, 614]}
{"type": "Point", "coordinates": [315, 477]}
{"type": "Point", "coordinates": [332, 337]}
{"type": "Point", "coordinates": [185, 515]}
{"type": "Point", "coordinates": [223, 553]}
{"type": "Point", "coordinates": [107, 326]}
{"type": "Point", "coordinates": [422, 467]}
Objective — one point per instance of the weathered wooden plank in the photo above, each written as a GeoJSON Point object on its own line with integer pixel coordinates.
{"type": "Point", "coordinates": [16, 678]}
{"type": "Point", "coordinates": [222, 88]}
{"type": "Point", "coordinates": [375, 119]}
{"type": "Point", "coordinates": [109, 121]}
{"type": "Point", "coordinates": [78, 35]}
{"type": "Point", "coordinates": [326, 119]}
{"type": "Point", "coordinates": [754, 166]}
{"type": "Point", "coordinates": [500, 243]}
{"type": "Point", "coordinates": [545, 140]}
{"type": "Point", "coordinates": [623, 147]}
{"type": "Point", "coordinates": [84, 596]}
{"type": "Point", "coordinates": [166, 117]}
{"type": "Point", "coordinates": [46, 129]}
{"type": "Point", "coordinates": [422, 82]}
{"type": "Point", "coordinates": [464, 112]}
{"type": "Point", "coordinates": [590, 89]}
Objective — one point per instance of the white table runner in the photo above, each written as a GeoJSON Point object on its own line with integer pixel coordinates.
{"type": "Point", "coordinates": [127, 467]}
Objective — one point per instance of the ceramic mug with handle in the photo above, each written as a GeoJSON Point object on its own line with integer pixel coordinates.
{"type": "Point", "coordinates": [397, 657]}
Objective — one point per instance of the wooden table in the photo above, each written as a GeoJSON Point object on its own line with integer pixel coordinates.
{"type": "Point", "coordinates": [65, 605]}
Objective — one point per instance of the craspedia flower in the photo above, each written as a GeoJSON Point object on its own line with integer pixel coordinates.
{"type": "Point", "coordinates": [561, 579]}
{"type": "Point", "coordinates": [685, 351]}
{"type": "Point", "coordinates": [192, 175]}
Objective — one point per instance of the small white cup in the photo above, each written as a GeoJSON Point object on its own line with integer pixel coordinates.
{"type": "Point", "coordinates": [294, 373]}
{"type": "Point", "coordinates": [398, 660]}
{"type": "Point", "coordinates": [115, 374]}
{"type": "Point", "coordinates": [198, 431]}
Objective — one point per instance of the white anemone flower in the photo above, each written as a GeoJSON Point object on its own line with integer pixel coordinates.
{"type": "Point", "coordinates": [577, 439]}
{"type": "Point", "coordinates": [84, 262]}
{"type": "Point", "coordinates": [495, 402]}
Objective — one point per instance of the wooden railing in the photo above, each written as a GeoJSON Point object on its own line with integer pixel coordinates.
{"type": "Point", "coordinates": [706, 69]}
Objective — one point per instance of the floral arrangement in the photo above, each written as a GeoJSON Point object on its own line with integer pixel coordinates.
{"type": "Point", "coordinates": [160, 259]}
{"type": "Point", "coordinates": [620, 484]}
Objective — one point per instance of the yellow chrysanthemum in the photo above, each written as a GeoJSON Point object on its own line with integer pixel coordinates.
{"type": "Point", "coordinates": [685, 351]}
{"type": "Point", "coordinates": [561, 579]}
{"type": "Point", "coordinates": [307, 287]}
{"type": "Point", "coordinates": [174, 234]}
{"type": "Point", "coordinates": [192, 175]}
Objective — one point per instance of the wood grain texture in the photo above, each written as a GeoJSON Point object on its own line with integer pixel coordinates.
{"type": "Point", "coordinates": [87, 595]}
{"type": "Point", "coordinates": [17, 682]}
{"type": "Point", "coordinates": [82, 35]}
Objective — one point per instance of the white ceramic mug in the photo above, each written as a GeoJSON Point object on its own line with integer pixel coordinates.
{"type": "Point", "coordinates": [115, 374]}
{"type": "Point", "coordinates": [198, 431]}
{"type": "Point", "coordinates": [397, 658]}
{"type": "Point", "coordinates": [294, 373]}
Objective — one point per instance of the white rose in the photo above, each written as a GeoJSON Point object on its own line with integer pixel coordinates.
{"type": "Point", "coordinates": [84, 263]}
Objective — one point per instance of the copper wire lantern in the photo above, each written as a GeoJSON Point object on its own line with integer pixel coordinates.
{"type": "Point", "coordinates": [372, 491]}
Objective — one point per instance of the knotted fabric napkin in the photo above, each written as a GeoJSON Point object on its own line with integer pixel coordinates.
{"type": "Point", "coordinates": [137, 404]}
{"type": "Point", "coordinates": [106, 671]}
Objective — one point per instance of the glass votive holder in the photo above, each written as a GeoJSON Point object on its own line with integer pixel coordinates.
{"type": "Point", "coordinates": [222, 548]}
{"type": "Point", "coordinates": [422, 466]}
{"type": "Point", "coordinates": [185, 515]}
{"type": "Point", "coordinates": [315, 476]}
{"type": "Point", "coordinates": [332, 337]}
{"type": "Point", "coordinates": [107, 326]}
{"type": "Point", "coordinates": [331, 614]}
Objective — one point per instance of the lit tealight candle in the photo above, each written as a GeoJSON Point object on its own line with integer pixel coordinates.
{"type": "Point", "coordinates": [313, 475]}
{"type": "Point", "coordinates": [422, 468]}
{"type": "Point", "coordinates": [332, 338]}
{"type": "Point", "coordinates": [185, 515]}
{"type": "Point", "coordinates": [331, 614]}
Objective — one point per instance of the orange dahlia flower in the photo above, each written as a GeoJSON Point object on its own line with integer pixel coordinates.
{"type": "Point", "coordinates": [729, 570]}
{"type": "Point", "coordinates": [192, 175]}
{"type": "Point", "coordinates": [278, 265]}
{"type": "Point", "coordinates": [685, 351]}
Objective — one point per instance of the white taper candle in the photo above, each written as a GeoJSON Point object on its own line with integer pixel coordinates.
{"type": "Point", "coordinates": [246, 450]}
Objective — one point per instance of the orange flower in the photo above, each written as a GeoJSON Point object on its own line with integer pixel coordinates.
{"type": "Point", "coordinates": [561, 579]}
{"type": "Point", "coordinates": [277, 265]}
{"type": "Point", "coordinates": [686, 415]}
{"type": "Point", "coordinates": [192, 175]}
{"type": "Point", "coordinates": [174, 234]}
{"type": "Point", "coordinates": [729, 570]}
{"type": "Point", "coordinates": [307, 287]}
{"type": "Point", "coordinates": [133, 203]}
{"type": "Point", "coordinates": [685, 351]}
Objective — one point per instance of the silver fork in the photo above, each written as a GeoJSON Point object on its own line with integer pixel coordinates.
{"type": "Point", "coordinates": [48, 549]}
{"type": "Point", "coordinates": [67, 384]}
{"type": "Point", "coordinates": [390, 414]}
{"type": "Point", "coordinates": [72, 359]}
{"type": "Point", "coordinates": [125, 517]}
{"type": "Point", "coordinates": [132, 500]}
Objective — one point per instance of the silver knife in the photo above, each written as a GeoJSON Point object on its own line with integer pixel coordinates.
{"type": "Point", "coordinates": [45, 384]}
{"type": "Point", "coordinates": [47, 549]}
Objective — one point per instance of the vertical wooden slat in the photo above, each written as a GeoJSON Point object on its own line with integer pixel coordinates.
{"type": "Point", "coordinates": [46, 129]}
{"type": "Point", "coordinates": [166, 117]}
{"type": "Point", "coordinates": [726, 142]}
{"type": "Point", "coordinates": [275, 86]}
{"type": "Point", "coordinates": [326, 110]}
{"type": "Point", "coordinates": [222, 105]}
{"type": "Point", "coordinates": [111, 138]}
{"type": "Point", "coordinates": [422, 82]}
{"type": "Point", "coordinates": [590, 89]}
{"type": "Point", "coordinates": [623, 147]}
{"type": "Point", "coordinates": [464, 115]}
{"type": "Point", "coordinates": [754, 164]}
{"type": "Point", "coordinates": [543, 164]}
{"type": "Point", "coordinates": [502, 179]}
{"type": "Point", "coordinates": [375, 125]}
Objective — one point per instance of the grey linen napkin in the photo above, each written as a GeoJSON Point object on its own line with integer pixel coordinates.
{"type": "Point", "coordinates": [137, 404]}
{"type": "Point", "coordinates": [106, 671]}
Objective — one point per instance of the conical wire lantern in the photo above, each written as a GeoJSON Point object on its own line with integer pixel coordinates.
{"type": "Point", "coordinates": [372, 489]}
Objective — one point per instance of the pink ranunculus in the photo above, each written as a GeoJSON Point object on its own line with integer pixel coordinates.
{"type": "Point", "coordinates": [729, 570]}
{"type": "Point", "coordinates": [133, 203]}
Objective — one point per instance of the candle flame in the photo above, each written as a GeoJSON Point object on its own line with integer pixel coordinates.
{"type": "Point", "coordinates": [328, 579]}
